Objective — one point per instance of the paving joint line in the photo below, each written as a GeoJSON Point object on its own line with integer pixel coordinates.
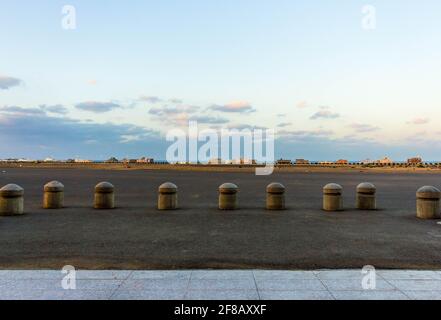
{"type": "Point", "coordinates": [323, 284]}
{"type": "Point", "coordinates": [395, 288]}
{"type": "Point", "coordinates": [255, 284]}
{"type": "Point", "coordinates": [119, 286]}
{"type": "Point", "coordinates": [187, 289]}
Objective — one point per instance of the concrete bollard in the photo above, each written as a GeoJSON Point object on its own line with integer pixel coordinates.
{"type": "Point", "coordinates": [275, 196]}
{"type": "Point", "coordinates": [428, 203]}
{"type": "Point", "coordinates": [11, 200]}
{"type": "Point", "coordinates": [332, 200]}
{"type": "Point", "coordinates": [228, 196]}
{"type": "Point", "coordinates": [53, 197]}
{"type": "Point", "coordinates": [365, 199]}
{"type": "Point", "coordinates": [168, 196]}
{"type": "Point", "coordinates": [104, 196]}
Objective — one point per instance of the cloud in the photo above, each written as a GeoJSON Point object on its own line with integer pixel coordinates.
{"type": "Point", "coordinates": [177, 115]}
{"type": "Point", "coordinates": [21, 110]}
{"type": "Point", "coordinates": [418, 121]}
{"type": "Point", "coordinates": [284, 124]}
{"type": "Point", "coordinates": [150, 99]}
{"type": "Point", "coordinates": [9, 82]}
{"type": "Point", "coordinates": [302, 104]}
{"type": "Point", "coordinates": [41, 110]}
{"type": "Point", "coordinates": [58, 108]}
{"type": "Point", "coordinates": [324, 114]}
{"type": "Point", "coordinates": [361, 127]}
{"type": "Point", "coordinates": [235, 107]}
{"type": "Point", "coordinates": [172, 110]}
{"type": "Point", "coordinates": [97, 107]}
{"type": "Point", "coordinates": [24, 134]}
{"type": "Point", "coordinates": [246, 127]}
{"type": "Point", "coordinates": [209, 119]}
{"type": "Point", "coordinates": [175, 101]}
{"type": "Point", "coordinates": [301, 134]}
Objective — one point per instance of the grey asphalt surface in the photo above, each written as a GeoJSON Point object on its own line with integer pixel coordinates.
{"type": "Point", "coordinates": [199, 236]}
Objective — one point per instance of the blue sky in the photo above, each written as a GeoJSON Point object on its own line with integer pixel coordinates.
{"type": "Point", "coordinates": [132, 70]}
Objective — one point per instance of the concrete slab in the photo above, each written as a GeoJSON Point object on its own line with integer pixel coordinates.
{"type": "Point", "coordinates": [222, 275]}
{"type": "Point", "coordinates": [369, 295]}
{"type": "Point", "coordinates": [409, 275]}
{"type": "Point", "coordinates": [168, 274]}
{"type": "Point", "coordinates": [223, 285]}
{"type": "Point", "coordinates": [355, 284]}
{"type": "Point", "coordinates": [423, 295]}
{"type": "Point", "coordinates": [222, 295]}
{"type": "Point", "coordinates": [289, 285]}
{"type": "Point", "coordinates": [161, 294]}
{"type": "Point", "coordinates": [153, 284]}
{"type": "Point", "coordinates": [417, 285]}
{"type": "Point", "coordinates": [283, 275]}
{"type": "Point", "coordinates": [295, 295]}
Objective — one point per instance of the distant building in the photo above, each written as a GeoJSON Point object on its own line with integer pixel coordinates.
{"type": "Point", "coordinates": [241, 161]}
{"type": "Point", "coordinates": [49, 159]}
{"type": "Point", "coordinates": [385, 160]}
{"type": "Point", "coordinates": [325, 162]}
{"type": "Point", "coordinates": [367, 161]}
{"type": "Point", "coordinates": [17, 160]}
{"type": "Point", "coordinates": [415, 160]}
{"type": "Point", "coordinates": [112, 160]}
{"type": "Point", "coordinates": [215, 161]}
{"type": "Point", "coordinates": [302, 161]}
{"type": "Point", "coordinates": [145, 160]}
{"type": "Point", "coordinates": [82, 161]}
{"type": "Point", "coordinates": [247, 161]}
{"type": "Point", "coordinates": [342, 162]}
{"type": "Point", "coordinates": [282, 162]}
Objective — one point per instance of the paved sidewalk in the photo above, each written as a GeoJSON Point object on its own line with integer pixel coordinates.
{"type": "Point", "coordinates": [220, 284]}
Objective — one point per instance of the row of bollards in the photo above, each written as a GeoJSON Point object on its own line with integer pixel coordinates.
{"type": "Point", "coordinates": [11, 198]}
{"type": "Point", "coordinates": [365, 197]}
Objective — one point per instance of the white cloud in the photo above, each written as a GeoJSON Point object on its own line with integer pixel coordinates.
{"type": "Point", "coordinates": [302, 104]}
{"type": "Point", "coordinates": [150, 99]}
{"type": "Point", "coordinates": [361, 127]}
{"type": "Point", "coordinates": [97, 107]}
{"type": "Point", "coordinates": [234, 107]}
{"type": "Point", "coordinates": [324, 114]}
{"type": "Point", "coordinates": [9, 82]}
{"type": "Point", "coordinates": [419, 121]}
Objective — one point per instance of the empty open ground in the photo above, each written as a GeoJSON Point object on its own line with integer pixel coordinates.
{"type": "Point", "coordinates": [198, 236]}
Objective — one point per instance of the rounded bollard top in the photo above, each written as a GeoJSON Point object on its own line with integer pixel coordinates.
{"type": "Point", "coordinates": [428, 192]}
{"type": "Point", "coordinates": [11, 190]}
{"type": "Point", "coordinates": [332, 188]}
{"type": "Point", "coordinates": [54, 186]}
{"type": "Point", "coordinates": [104, 187]}
{"type": "Point", "coordinates": [366, 187]}
{"type": "Point", "coordinates": [228, 188]}
{"type": "Point", "coordinates": [168, 187]}
{"type": "Point", "coordinates": [275, 187]}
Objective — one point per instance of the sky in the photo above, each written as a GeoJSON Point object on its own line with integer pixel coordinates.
{"type": "Point", "coordinates": [334, 80]}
